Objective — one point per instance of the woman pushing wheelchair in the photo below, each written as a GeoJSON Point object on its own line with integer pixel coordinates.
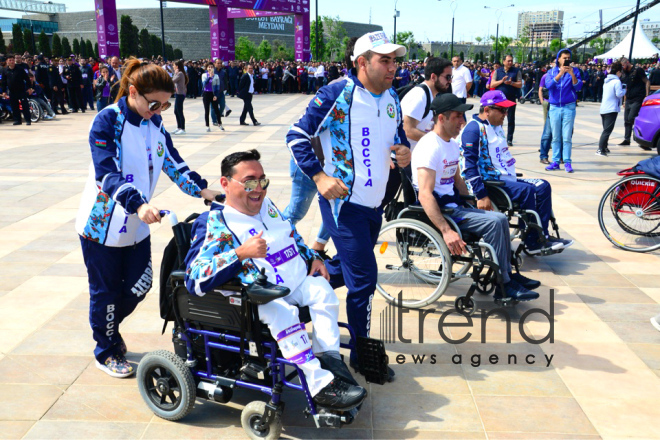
{"type": "Point", "coordinates": [130, 147]}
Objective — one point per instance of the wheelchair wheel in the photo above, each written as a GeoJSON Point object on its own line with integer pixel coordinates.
{"type": "Point", "coordinates": [465, 305]}
{"type": "Point", "coordinates": [629, 214]}
{"type": "Point", "coordinates": [251, 418]}
{"type": "Point", "coordinates": [413, 260]}
{"type": "Point", "coordinates": [36, 112]}
{"type": "Point", "coordinates": [166, 385]}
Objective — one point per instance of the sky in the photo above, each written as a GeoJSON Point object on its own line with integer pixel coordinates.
{"type": "Point", "coordinates": [430, 20]}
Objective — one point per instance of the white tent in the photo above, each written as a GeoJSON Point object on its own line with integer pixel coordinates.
{"type": "Point", "coordinates": [643, 47]}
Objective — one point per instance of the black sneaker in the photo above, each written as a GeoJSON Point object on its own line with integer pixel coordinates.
{"type": "Point", "coordinates": [340, 395]}
{"type": "Point", "coordinates": [227, 113]}
{"type": "Point", "coordinates": [516, 292]}
{"type": "Point", "coordinates": [527, 283]}
{"type": "Point", "coordinates": [338, 368]}
{"type": "Point", "coordinates": [625, 143]}
{"type": "Point", "coordinates": [509, 143]}
{"type": "Point", "coordinates": [601, 153]}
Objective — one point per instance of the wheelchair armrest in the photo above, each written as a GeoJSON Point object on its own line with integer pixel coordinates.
{"type": "Point", "coordinates": [447, 211]}
{"type": "Point", "coordinates": [468, 197]}
{"type": "Point", "coordinates": [519, 174]}
{"type": "Point", "coordinates": [176, 276]}
{"type": "Point", "coordinates": [494, 183]}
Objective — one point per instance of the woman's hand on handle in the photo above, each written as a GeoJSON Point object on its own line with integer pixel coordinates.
{"type": "Point", "coordinates": [210, 194]}
{"type": "Point", "coordinates": [148, 214]}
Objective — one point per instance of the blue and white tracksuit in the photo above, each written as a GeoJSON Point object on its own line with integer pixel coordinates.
{"type": "Point", "coordinates": [486, 156]}
{"type": "Point", "coordinates": [212, 262]}
{"type": "Point", "coordinates": [356, 130]}
{"type": "Point", "coordinates": [127, 156]}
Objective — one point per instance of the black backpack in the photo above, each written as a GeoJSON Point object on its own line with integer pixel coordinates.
{"type": "Point", "coordinates": [403, 91]}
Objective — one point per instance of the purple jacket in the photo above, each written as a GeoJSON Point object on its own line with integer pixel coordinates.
{"type": "Point", "coordinates": [562, 92]}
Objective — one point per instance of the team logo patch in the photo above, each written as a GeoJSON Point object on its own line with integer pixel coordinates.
{"type": "Point", "coordinates": [272, 212]}
{"type": "Point", "coordinates": [100, 144]}
{"type": "Point", "coordinates": [160, 149]}
{"type": "Point", "coordinates": [318, 101]}
{"type": "Point", "coordinates": [390, 110]}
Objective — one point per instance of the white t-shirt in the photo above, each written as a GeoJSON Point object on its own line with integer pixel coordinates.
{"type": "Point", "coordinates": [460, 77]}
{"type": "Point", "coordinates": [264, 73]}
{"type": "Point", "coordinates": [251, 89]}
{"type": "Point", "coordinates": [319, 71]}
{"type": "Point", "coordinates": [434, 153]}
{"type": "Point", "coordinates": [311, 71]}
{"type": "Point", "coordinates": [413, 105]}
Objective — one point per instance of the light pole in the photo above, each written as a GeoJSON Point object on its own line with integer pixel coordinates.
{"type": "Point", "coordinates": [396, 14]}
{"type": "Point", "coordinates": [316, 32]}
{"type": "Point", "coordinates": [452, 4]}
{"type": "Point", "coordinates": [162, 31]}
{"type": "Point", "coordinates": [498, 14]}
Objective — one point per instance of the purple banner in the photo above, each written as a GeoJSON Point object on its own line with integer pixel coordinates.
{"type": "Point", "coordinates": [231, 44]}
{"type": "Point", "coordinates": [107, 30]}
{"type": "Point", "coordinates": [249, 13]}
{"type": "Point", "coordinates": [301, 38]}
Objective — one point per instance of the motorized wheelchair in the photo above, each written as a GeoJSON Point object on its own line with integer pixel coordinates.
{"type": "Point", "coordinates": [629, 212]}
{"type": "Point", "coordinates": [415, 266]}
{"type": "Point", "coordinates": [220, 345]}
{"type": "Point", "coordinates": [521, 221]}
{"type": "Point", "coordinates": [36, 112]}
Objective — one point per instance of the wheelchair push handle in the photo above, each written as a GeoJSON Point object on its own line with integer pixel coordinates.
{"type": "Point", "coordinates": [170, 215]}
{"type": "Point", "coordinates": [220, 198]}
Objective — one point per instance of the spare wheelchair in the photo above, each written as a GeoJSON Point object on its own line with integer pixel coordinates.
{"type": "Point", "coordinates": [629, 212]}
{"type": "Point", "coordinates": [415, 266]}
{"type": "Point", "coordinates": [220, 345]}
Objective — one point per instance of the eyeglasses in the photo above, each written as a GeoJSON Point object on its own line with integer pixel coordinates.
{"type": "Point", "coordinates": [251, 185]}
{"type": "Point", "coordinates": [449, 77]}
{"type": "Point", "coordinates": [155, 105]}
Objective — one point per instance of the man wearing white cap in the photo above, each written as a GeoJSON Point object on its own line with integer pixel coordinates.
{"type": "Point", "coordinates": [359, 123]}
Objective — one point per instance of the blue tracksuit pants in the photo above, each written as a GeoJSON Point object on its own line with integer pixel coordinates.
{"type": "Point", "coordinates": [535, 195]}
{"type": "Point", "coordinates": [354, 236]}
{"type": "Point", "coordinates": [119, 278]}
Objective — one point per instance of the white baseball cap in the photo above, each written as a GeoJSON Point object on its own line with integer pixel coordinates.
{"type": "Point", "coordinates": [376, 42]}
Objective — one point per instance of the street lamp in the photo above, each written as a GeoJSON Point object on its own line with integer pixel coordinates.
{"type": "Point", "coordinates": [498, 14]}
{"type": "Point", "coordinates": [82, 21]}
{"type": "Point", "coordinates": [396, 14]}
{"type": "Point", "coordinates": [452, 4]}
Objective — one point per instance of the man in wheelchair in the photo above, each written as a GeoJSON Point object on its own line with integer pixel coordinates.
{"type": "Point", "coordinates": [437, 178]}
{"type": "Point", "coordinates": [485, 157]}
{"type": "Point", "coordinates": [249, 234]}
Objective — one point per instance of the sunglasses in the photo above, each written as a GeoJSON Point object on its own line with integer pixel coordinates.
{"type": "Point", "coordinates": [251, 185]}
{"type": "Point", "coordinates": [155, 105]}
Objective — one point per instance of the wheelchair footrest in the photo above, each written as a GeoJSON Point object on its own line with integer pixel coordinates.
{"type": "Point", "coordinates": [255, 371]}
{"type": "Point", "coordinates": [372, 360]}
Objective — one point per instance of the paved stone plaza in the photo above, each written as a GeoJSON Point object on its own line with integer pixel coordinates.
{"type": "Point", "coordinates": [604, 377]}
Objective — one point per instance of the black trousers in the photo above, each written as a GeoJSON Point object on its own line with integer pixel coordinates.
{"type": "Point", "coordinates": [247, 108]}
{"type": "Point", "coordinates": [609, 119]}
{"type": "Point", "coordinates": [17, 100]}
{"type": "Point", "coordinates": [511, 119]}
{"type": "Point", "coordinates": [207, 99]}
{"type": "Point", "coordinates": [58, 99]}
{"type": "Point", "coordinates": [629, 115]}
{"type": "Point", "coordinates": [178, 111]}
{"type": "Point", "coordinates": [76, 98]}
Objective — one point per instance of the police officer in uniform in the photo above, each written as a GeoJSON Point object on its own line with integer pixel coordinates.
{"type": "Point", "coordinates": [56, 87]}
{"type": "Point", "coordinates": [41, 74]}
{"type": "Point", "coordinates": [75, 84]}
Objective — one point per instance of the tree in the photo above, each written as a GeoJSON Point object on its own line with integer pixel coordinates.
{"type": "Point", "coordinates": [17, 38]}
{"type": "Point", "coordinates": [313, 40]}
{"type": "Point", "coordinates": [445, 55]}
{"type": "Point", "coordinates": [44, 45]}
{"type": "Point", "coordinates": [96, 50]}
{"type": "Point", "coordinates": [478, 39]}
{"type": "Point", "coordinates": [66, 47]}
{"type": "Point", "coordinates": [405, 39]}
{"type": "Point", "coordinates": [76, 46]}
{"type": "Point", "coordinates": [169, 50]}
{"type": "Point", "coordinates": [128, 43]}
{"type": "Point", "coordinates": [336, 33]}
{"type": "Point", "coordinates": [264, 50]}
{"type": "Point", "coordinates": [556, 44]}
{"type": "Point", "coordinates": [90, 49]}
{"type": "Point", "coordinates": [27, 41]}
{"type": "Point", "coordinates": [178, 55]}
{"type": "Point", "coordinates": [57, 46]}
{"type": "Point", "coordinates": [156, 45]}
{"type": "Point", "coordinates": [282, 52]}
{"type": "Point", "coordinates": [245, 49]}
{"type": "Point", "coordinates": [461, 55]}
{"type": "Point", "coordinates": [145, 44]}
{"type": "Point", "coordinates": [3, 47]}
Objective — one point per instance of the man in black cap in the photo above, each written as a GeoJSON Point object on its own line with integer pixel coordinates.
{"type": "Point", "coordinates": [437, 177]}
{"type": "Point", "coordinates": [75, 85]}
{"type": "Point", "coordinates": [14, 84]}
{"type": "Point", "coordinates": [41, 75]}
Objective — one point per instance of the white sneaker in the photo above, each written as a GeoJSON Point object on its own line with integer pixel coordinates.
{"type": "Point", "coordinates": [177, 131]}
{"type": "Point", "coordinates": [48, 117]}
{"type": "Point", "coordinates": [182, 132]}
{"type": "Point", "coordinates": [221, 128]}
{"type": "Point", "coordinates": [208, 129]}
{"type": "Point", "coordinates": [655, 323]}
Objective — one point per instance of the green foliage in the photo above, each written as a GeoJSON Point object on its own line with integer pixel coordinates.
{"type": "Point", "coordinates": [313, 41]}
{"type": "Point", "coordinates": [556, 44]}
{"type": "Point", "coordinates": [281, 51]}
{"type": "Point", "coordinates": [501, 44]}
{"type": "Point", "coordinates": [178, 54]}
{"type": "Point", "coordinates": [405, 39]}
{"type": "Point", "coordinates": [335, 31]}
{"type": "Point", "coordinates": [169, 50]}
{"type": "Point", "coordinates": [76, 46]}
{"type": "Point", "coordinates": [461, 55]}
{"type": "Point", "coordinates": [27, 41]}
{"type": "Point", "coordinates": [156, 45]}
{"type": "Point", "coordinates": [145, 48]}
{"type": "Point", "coordinates": [17, 39]}
{"type": "Point", "coordinates": [445, 55]}
{"type": "Point", "coordinates": [264, 51]}
{"type": "Point", "coordinates": [128, 37]}
{"type": "Point", "coordinates": [57, 46]}
{"type": "Point", "coordinates": [90, 49]}
{"type": "Point", "coordinates": [96, 50]}
{"type": "Point", "coordinates": [44, 45]}
{"type": "Point", "coordinates": [3, 47]}
{"type": "Point", "coordinates": [66, 47]}
{"type": "Point", "coordinates": [245, 49]}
